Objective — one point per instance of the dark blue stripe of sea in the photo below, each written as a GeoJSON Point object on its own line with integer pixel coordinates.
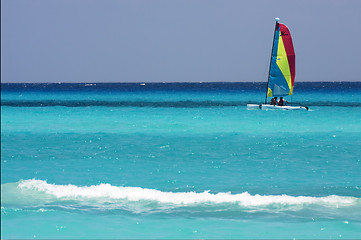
{"type": "Point", "coordinates": [178, 86]}
{"type": "Point", "coordinates": [230, 87]}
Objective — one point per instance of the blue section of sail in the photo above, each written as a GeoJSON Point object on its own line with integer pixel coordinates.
{"type": "Point", "coordinates": [275, 44]}
{"type": "Point", "coordinates": [277, 81]}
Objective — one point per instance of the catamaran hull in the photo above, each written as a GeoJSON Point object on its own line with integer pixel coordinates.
{"type": "Point", "coordinates": [254, 106]}
{"type": "Point", "coordinates": [273, 107]}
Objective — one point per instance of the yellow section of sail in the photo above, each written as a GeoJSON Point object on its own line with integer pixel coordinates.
{"type": "Point", "coordinates": [282, 62]}
{"type": "Point", "coordinates": [269, 93]}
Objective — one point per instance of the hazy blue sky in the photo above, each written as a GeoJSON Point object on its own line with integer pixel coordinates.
{"type": "Point", "coordinates": [168, 41]}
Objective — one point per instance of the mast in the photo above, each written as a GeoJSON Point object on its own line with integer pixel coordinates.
{"type": "Point", "coordinates": [269, 71]}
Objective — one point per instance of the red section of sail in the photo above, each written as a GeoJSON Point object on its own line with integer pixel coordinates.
{"type": "Point", "coordinates": [287, 41]}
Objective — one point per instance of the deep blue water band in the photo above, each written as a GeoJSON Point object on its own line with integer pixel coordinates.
{"type": "Point", "coordinates": [206, 86]}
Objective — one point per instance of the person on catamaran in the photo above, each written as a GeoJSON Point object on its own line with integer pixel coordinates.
{"type": "Point", "coordinates": [281, 102]}
{"type": "Point", "coordinates": [274, 101]}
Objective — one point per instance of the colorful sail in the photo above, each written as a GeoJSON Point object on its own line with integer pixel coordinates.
{"type": "Point", "coordinates": [282, 67]}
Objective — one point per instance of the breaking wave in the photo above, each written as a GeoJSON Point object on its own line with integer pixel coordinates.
{"type": "Point", "coordinates": [38, 194]}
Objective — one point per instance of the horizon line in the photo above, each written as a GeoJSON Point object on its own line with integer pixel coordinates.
{"type": "Point", "coordinates": [171, 82]}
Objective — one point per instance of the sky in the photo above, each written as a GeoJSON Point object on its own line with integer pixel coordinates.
{"type": "Point", "coordinates": [175, 40]}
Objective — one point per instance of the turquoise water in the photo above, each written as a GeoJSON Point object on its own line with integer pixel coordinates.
{"type": "Point", "coordinates": [170, 161]}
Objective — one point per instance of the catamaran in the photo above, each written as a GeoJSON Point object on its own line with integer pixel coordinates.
{"type": "Point", "coordinates": [281, 75]}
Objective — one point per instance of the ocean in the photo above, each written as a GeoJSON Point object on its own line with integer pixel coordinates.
{"type": "Point", "coordinates": [179, 160]}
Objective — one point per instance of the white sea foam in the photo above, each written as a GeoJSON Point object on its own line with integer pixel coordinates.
{"type": "Point", "coordinates": [109, 193]}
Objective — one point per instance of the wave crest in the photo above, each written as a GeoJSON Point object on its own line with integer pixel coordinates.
{"type": "Point", "coordinates": [107, 191]}
{"type": "Point", "coordinates": [38, 194]}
